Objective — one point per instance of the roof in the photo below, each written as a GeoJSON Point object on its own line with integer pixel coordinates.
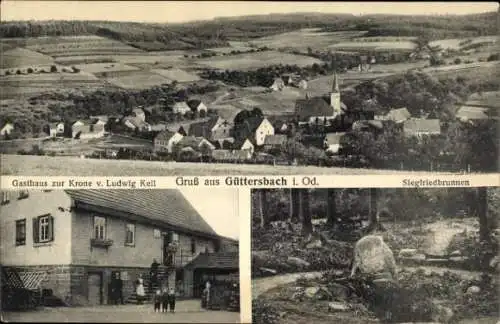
{"type": "Point", "coordinates": [277, 139]}
{"type": "Point", "coordinates": [88, 128]}
{"type": "Point", "coordinates": [193, 104]}
{"type": "Point", "coordinates": [203, 129]}
{"type": "Point", "coordinates": [315, 106]}
{"type": "Point", "coordinates": [334, 138]}
{"type": "Point", "coordinates": [193, 141]}
{"type": "Point", "coordinates": [165, 135]}
{"type": "Point", "coordinates": [182, 105]}
{"type": "Point", "coordinates": [166, 206]}
{"type": "Point", "coordinates": [238, 143]}
{"type": "Point", "coordinates": [137, 111]}
{"type": "Point", "coordinates": [472, 113]}
{"type": "Point", "coordinates": [158, 127]}
{"type": "Point", "coordinates": [398, 115]}
{"type": "Point", "coordinates": [228, 155]}
{"type": "Point", "coordinates": [136, 121]}
{"type": "Point", "coordinates": [217, 260]}
{"type": "Point", "coordinates": [415, 126]}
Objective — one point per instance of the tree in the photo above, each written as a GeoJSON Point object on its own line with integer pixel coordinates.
{"type": "Point", "coordinates": [263, 207]}
{"type": "Point", "coordinates": [29, 70]}
{"type": "Point", "coordinates": [305, 212]}
{"type": "Point", "coordinates": [330, 209]}
{"type": "Point", "coordinates": [481, 208]}
{"type": "Point", "coordinates": [53, 69]}
{"type": "Point", "coordinates": [294, 205]}
{"type": "Point", "coordinates": [374, 212]}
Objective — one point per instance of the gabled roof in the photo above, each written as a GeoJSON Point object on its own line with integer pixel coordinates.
{"type": "Point", "coordinates": [164, 135]}
{"type": "Point", "coordinates": [277, 139]}
{"type": "Point", "coordinates": [398, 115]}
{"type": "Point", "coordinates": [239, 143]}
{"type": "Point", "coordinates": [472, 113]}
{"type": "Point", "coordinates": [193, 141]}
{"type": "Point", "coordinates": [167, 207]}
{"type": "Point", "coordinates": [217, 260]}
{"type": "Point", "coordinates": [228, 155]}
{"type": "Point", "coordinates": [415, 126]}
{"type": "Point", "coordinates": [315, 106]}
{"type": "Point", "coordinates": [182, 106]}
{"type": "Point", "coordinates": [204, 129]}
{"type": "Point", "coordinates": [136, 121]}
{"type": "Point", "coordinates": [334, 138]}
{"type": "Point", "coordinates": [194, 103]}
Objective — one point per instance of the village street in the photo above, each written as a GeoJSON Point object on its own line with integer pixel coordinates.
{"type": "Point", "coordinates": [187, 311]}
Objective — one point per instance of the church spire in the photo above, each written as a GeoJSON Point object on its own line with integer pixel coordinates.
{"type": "Point", "coordinates": [335, 86]}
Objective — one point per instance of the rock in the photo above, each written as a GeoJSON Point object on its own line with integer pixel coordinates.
{"type": "Point", "coordinates": [372, 255]}
{"type": "Point", "coordinates": [473, 290]}
{"type": "Point", "coordinates": [297, 262]}
{"type": "Point", "coordinates": [458, 259]}
{"type": "Point", "coordinates": [268, 272]}
{"type": "Point", "coordinates": [339, 291]}
{"type": "Point", "coordinates": [455, 253]}
{"type": "Point", "coordinates": [311, 292]}
{"type": "Point", "coordinates": [338, 307]}
{"type": "Point", "coordinates": [407, 253]}
{"type": "Point", "coordinates": [442, 314]}
{"type": "Point", "coordinates": [494, 263]}
{"type": "Point", "coordinates": [314, 244]}
{"type": "Point", "coordinates": [323, 294]}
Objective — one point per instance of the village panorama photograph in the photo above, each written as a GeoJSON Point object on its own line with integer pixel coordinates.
{"type": "Point", "coordinates": [211, 88]}
{"type": "Point", "coordinates": [375, 255]}
{"type": "Point", "coordinates": [122, 256]}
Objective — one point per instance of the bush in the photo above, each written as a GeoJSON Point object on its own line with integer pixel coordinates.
{"type": "Point", "coordinates": [457, 61]}
{"type": "Point", "coordinates": [75, 69]}
{"type": "Point", "coordinates": [53, 69]}
{"type": "Point", "coordinates": [30, 70]}
{"type": "Point", "coordinates": [264, 313]}
{"type": "Point", "coordinates": [493, 57]}
{"type": "Point", "coordinates": [18, 72]}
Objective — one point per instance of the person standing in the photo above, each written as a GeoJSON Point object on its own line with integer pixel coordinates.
{"type": "Point", "coordinates": [171, 300]}
{"type": "Point", "coordinates": [140, 291]}
{"type": "Point", "coordinates": [208, 293]}
{"type": "Point", "coordinates": [118, 286]}
{"type": "Point", "coordinates": [153, 274]}
{"type": "Point", "coordinates": [164, 300]}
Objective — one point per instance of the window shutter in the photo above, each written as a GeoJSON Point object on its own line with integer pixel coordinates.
{"type": "Point", "coordinates": [51, 228]}
{"type": "Point", "coordinates": [35, 230]}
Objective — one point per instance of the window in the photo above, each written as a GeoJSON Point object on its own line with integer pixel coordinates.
{"type": "Point", "coordinates": [130, 234]}
{"type": "Point", "coordinates": [23, 194]}
{"type": "Point", "coordinates": [43, 229]}
{"type": "Point", "coordinates": [175, 237]}
{"type": "Point", "coordinates": [193, 246]}
{"type": "Point", "coordinates": [21, 232]}
{"type": "Point", "coordinates": [156, 233]}
{"type": "Point", "coordinates": [99, 228]}
{"type": "Point", "coordinates": [5, 197]}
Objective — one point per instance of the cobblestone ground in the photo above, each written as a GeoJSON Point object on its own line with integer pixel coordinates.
{"type": "Point", "coordinates": [186, 312]}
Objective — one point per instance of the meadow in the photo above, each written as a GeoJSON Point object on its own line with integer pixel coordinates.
{"type": "Point", "coordinates": [138, 80]}
{"type": "Point", "coordinates": [73, 166]}
{"type": "Point", "coordinates": [177, 74]}
{"type": "Point", "coordinates": [249, 61]}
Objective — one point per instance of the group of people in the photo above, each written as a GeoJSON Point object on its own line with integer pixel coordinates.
{"type": "Point", "coordinates": [164, 299]}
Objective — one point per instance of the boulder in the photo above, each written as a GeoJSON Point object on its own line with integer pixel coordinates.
{"type": "Point", "coordinates": [407, 253]}
{"type": "Point", "coordinates": [297, 262]}
{"type": "Point", "coordinates": [311, 292]}
{"type": "Point", "coordinates": [455, 253]}
{"type": "Point", "coordinates": [339, 291]}
{"type": "Point", "coordinates": [338, 307]}
{"type": "Point", "coordinates": [372, 255]}
{"type": "Point", "coordinates": [495, 264]}
{"type": "Point", "coordinates": [316, 244]}
{"type": "Point", "coordinates": [473, 290]}
{"type": "Point", "coordinates": [268, 272]}
{"type": "Point", "coordinates": [323, 294]}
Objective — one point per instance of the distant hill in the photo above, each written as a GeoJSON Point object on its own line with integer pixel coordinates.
{"type": "Point", "coordinates": [217, 32]}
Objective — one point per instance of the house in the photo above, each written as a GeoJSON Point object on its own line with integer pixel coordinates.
{"type": "Point", "coordinates": [312, 109]}
{"type": "Point", "coordinates": [197, 105]}
{"type": "Point", "coordinates": [278, 84]}
{"type": "Point", "coordinates": [181, 108]}
{"type": "Point", "coordinates": [83, 130]}
{"type": "Point", "coordinates": [231, 156]}
{"type": "Point", "coordinates": [280, 126]}
{"type": "Point", "coordinates": [332, 142]}
{"type": "Point", "coordinates": [6, 129]}
{"type": "Point", "coordinates": [198, 144]}
{"type": "Point", "coordinates": [74, 241]}
{"type": "Point", "coordinates": [215, 128]}
{"type": "Point", "coordinates": [136, 123]}
{"type": "Point", "coordinates": [165, 141]}
{"type": "Point", "coordinates": [139, 113]}
{"type": "Point", "coordinates": [275, 142]}
{"type": "Point", "coordinates": [398, 116]}
{"type": "Point", "coordinates": [244, 145]}
{"type": "Point", "coordinates": [419, 127]}
{"type": "Point", "coordinates": [254, 128]}
{"type": "Point", "coordinates": [466, 113]}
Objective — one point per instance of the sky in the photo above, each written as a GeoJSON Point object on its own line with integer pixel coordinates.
{"type": "Point", "coordinates": [182, 11]}
{"type": "Point", "coordinates": [219, 208]}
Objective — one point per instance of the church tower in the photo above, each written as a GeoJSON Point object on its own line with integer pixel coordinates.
{"type": "Point", "coordinates": [335, 96]}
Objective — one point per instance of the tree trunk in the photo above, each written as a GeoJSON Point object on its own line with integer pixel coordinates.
{"type": "Point", "coordinates": [295, 205]}
{"type": "Point", "coordinates": [264, 220]}
{"type": "Point", "coordinates": [330, 207]}
{"type": "Point", "coordinates": [481, 208]}
{"type": "Point", "coordinates": [305, 212]}
{"type": "Point", "coordinates": [373, 212]}
{"type": "Point", "coordinates": [260, 207]}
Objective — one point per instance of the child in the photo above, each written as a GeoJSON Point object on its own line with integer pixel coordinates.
{"type": "Point", "coordinates": [157, 300]}
{"type": "Point", "coordinates": [171, 300]}
{"type": "Point", "coordinates": [164, 299]}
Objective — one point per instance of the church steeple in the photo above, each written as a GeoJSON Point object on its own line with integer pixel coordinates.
{"type": "Point", "coordinates": [335, 86]}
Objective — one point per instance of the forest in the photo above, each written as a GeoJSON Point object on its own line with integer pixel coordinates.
{"type": "Point", "coordinates": [218, 32]}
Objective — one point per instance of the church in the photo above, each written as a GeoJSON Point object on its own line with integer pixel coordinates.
{"type": "Point", "coordinates": [319, 109]}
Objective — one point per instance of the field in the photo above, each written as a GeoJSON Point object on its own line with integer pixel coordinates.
{"type": "Point", "coordinates": [139, 80]}
{"type": "Point", "coordinates": [227, 50]}
{"type": "Point", "coordinates": [459, 43]}
{"type": "Point", "coordinates": [304, 38]}
{"type": "Point", "coordinates": [22, 57]}
{"type": "Point", "coordinates": [376, 46]}
{"type": "Point", "coordinates": [71, 166]}
{"type": "Point", "coordinates": [176, 74]}
{"type": "Point", "coordinates": [489, 98]}
{"type": "Point", "coordinates": [249, 61]}
{"type": "Point", "coordinates": [105, 67]}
